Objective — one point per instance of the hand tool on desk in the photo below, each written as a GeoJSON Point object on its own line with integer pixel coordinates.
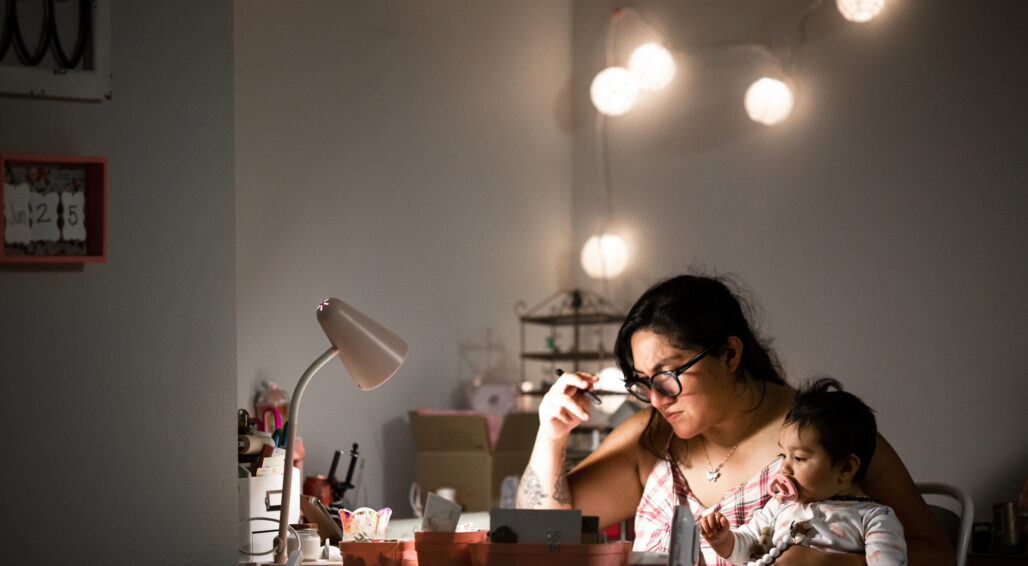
{"type": "Point", "coordinates": [339, 488]}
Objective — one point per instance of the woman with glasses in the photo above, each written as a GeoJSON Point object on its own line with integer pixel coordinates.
{"type": "Point", "coordinates": [708, 437]}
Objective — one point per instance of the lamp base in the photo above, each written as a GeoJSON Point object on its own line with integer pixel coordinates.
{"type": "Point", "coordinates": [294, 559]}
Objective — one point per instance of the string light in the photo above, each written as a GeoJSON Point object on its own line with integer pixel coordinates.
{"type": "Point", "coordinates": [652, 66]}
{"type": "Point", "coordinates": [768, 101]}
{"type": "Point", "coordinates": [859, 11]}
{"type": "Point", "coordinates": [614, 91]}
{"type": "Point", "coordinates": [604, 256]}
{"type": "Point", "coordinates": [611, 379]}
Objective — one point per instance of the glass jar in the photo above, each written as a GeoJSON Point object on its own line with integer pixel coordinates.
{"type": "Point", "coordinates": [310, 541]}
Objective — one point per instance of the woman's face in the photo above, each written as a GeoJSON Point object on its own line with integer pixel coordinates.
{"type": "Point", "coordinates": [707, 387]}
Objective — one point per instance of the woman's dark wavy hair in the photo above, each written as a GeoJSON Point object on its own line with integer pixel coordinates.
{"type": "Point", "coordinates": [843, 423]}
{"type": "Point", "coordinates": [693, 312]}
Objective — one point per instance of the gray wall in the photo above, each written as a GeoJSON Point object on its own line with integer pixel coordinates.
{"type": "Point", "coordinates": [412, 159]}
{"type": "Point", "coordinates": [120, 377]}
{"type": "Point", "coordinates": [880, 228]}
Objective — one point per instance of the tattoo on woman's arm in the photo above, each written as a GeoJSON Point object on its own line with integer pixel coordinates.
{"type": "Point", "coordinates": [530, 492]}
{"type": "Point", "coordinates": [561, 489]}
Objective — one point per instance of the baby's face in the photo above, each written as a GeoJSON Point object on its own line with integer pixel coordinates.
{"type": "Point", "coordinates": [809, 466]}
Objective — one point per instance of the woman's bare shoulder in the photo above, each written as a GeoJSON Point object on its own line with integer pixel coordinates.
{"type": "Point", "coordinates": [635, 425]}
{"type": "Point", "coordinates": [609, 482]}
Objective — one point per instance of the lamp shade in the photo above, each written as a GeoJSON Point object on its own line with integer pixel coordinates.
{"type": "Point", "coordinates": [370, 352]}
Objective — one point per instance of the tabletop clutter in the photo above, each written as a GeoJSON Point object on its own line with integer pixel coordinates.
{"type": "Point", "coordinates": [461, 461]}
{"type": "Point", "coordinates": [466, 464]}
{"type": "Point", "coordinates": [1008, 532]}
{"type": "Point", "coordinates": [262, 437]}
{"type": "Point", "coordinates": [516, 538]}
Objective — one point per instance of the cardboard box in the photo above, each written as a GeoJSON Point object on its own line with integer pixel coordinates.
{"type": "Point", "coordinates": [453, 451]}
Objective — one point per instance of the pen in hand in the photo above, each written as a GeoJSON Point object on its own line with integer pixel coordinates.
{"type": "Point", "coordinates": [588, 394]}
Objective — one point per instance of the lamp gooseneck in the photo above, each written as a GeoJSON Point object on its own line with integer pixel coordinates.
{"type": "Point", "coordinates": [287, 479]}
{"type": "Point", "coordinates": [371, 354]}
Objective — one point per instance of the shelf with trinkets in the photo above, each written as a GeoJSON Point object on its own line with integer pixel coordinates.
{"type": "Point", "coordinates": [578, 311]}
{"type": "Point", "coordinates": [573, 330]}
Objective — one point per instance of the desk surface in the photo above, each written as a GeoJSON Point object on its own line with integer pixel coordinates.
{"type": "Point", "coordinates": [404, 528]}
{"type": "Point", "coordinates": [996, 560]}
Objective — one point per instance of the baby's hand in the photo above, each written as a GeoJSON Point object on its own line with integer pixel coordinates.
{"type": "Point", "coordinates": [714, 527]}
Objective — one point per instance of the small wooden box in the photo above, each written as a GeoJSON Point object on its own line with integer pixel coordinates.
{"type": "Point", "coordinates": [54, 208]}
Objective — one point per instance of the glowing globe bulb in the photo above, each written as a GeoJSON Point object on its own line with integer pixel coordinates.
{"type": "Point", "coordinates": [859, 10]}
{"type": "Point", "coordinates": [611, 379]}
{"type": "Point", "coordinates": [604, 257]}
{"type": "Point", "coordinates": [614, 91]}
{"type": "Point", "coordinates": [652, 66]}
{"type": "Point", "coordinates": [768, 101]}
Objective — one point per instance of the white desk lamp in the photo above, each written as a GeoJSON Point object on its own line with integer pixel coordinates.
{"type": "Point", "coordinates": [371, 354]}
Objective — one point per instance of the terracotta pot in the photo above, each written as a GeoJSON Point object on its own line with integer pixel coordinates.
{"type": "Point", "coordinates": [446, 549]}
{"type": "Point", "coordinates": [605, 554]}
{"type": "Point", "coordinates": [379, 553]}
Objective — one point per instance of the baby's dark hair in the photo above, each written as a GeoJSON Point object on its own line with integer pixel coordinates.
{"type": "Point", "coordinates": [843, 423]}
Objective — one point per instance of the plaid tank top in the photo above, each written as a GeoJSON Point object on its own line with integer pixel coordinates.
{"type": "Point", "coordinates": [666, 488]}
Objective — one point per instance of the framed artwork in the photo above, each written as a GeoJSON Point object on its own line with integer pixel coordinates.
{"type": "Point", "coordinates": [54, 208]}
{"type": "Point", "coordinates": [56, 49]}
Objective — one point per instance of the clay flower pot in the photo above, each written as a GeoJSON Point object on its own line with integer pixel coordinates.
{"type": "Point", "coordinates": [379, 553]}
{"type": "Point", "coordinates": [446, 549]}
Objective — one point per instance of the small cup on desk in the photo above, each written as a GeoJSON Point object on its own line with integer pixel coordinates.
{"type": "Point", "coordinates": [447, 493]}
{"type": "Point", "coordinates": [1005, 536]}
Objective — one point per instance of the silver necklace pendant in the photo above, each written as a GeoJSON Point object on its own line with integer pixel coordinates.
{"type": "Point", "coordinates": [713, 474]}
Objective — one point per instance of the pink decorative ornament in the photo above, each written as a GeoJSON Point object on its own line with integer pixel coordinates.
{"type": "Point", "coordinates": [365, 524]}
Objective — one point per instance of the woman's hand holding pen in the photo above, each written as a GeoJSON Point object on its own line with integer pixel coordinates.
{"type": "Point", "coordinates": [565, 405]}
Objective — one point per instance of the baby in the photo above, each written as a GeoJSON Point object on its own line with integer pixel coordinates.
{"type": "Point", "coordinates": [827, 439]}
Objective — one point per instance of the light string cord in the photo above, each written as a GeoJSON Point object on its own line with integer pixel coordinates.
{"type": "Point", "coordinates": [784, 57]}
{"type": "Point", "coordinates": [785, 63]}
{"type": "Point", "coordinates": [603, 155]}
{"type": "Point", "coordinates": [602, 134]}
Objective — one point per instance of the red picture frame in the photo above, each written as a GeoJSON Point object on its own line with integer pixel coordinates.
{"type": "Point", "coordinates": [95, 205]}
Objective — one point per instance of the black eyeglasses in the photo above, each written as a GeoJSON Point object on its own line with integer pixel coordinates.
{"type": "Point", "coordinates": [665, 382]}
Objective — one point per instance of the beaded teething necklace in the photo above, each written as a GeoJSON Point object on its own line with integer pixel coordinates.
{"type": "Point", "coordinates": [714, 472]}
